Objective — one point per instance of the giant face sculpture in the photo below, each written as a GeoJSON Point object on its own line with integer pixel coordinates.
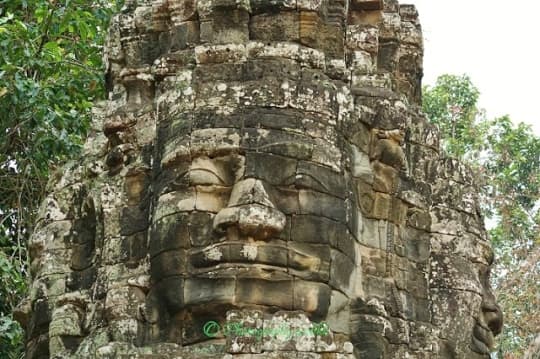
{"type": "Point", "coordinates": [263, 162]}
{"type": "Point", "coordinates": [248, 217]}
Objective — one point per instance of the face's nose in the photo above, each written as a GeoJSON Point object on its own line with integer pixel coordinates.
{"type": "Point", "coordinates": [492, 313]}
{"type": "Point", "coordinates": [251, 211]}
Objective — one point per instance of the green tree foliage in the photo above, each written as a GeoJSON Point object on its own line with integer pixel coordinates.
{"type": "Point", "coordinates": [515, 192]}
{"type": "Point", "coordinates": [507, 159]}
{"type": "Point", "coordinates": [50, 74]}
{"type": "Point", "coordinates": [451, 105]}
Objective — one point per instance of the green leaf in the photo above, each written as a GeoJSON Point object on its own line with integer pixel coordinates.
{"type": "Point", "coordinates": [54, 50]}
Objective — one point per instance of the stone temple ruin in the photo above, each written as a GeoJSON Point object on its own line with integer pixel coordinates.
{"type": "Point", "coordinates": [261, 183]}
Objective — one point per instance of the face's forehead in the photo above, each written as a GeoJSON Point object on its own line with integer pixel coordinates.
{"type": "Point", "coordinates": [308, 139]}
{"type": "Point", "coordinates": [467, 246]}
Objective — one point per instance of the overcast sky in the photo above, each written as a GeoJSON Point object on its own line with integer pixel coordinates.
{"type": "Point", "coordinates": [495, 42]}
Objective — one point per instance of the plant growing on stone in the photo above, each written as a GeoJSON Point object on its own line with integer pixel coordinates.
{"type": "Point", "coordinates": [50, 74]}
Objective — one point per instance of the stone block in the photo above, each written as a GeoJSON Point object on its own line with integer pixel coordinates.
{"type": "Point", "coordinates": [184, 35]}
{"type": "Point", "coordinates": [212, 8]}
{"type": "Point", "coordinates": [361, 167]}
{"type": "Point", "coordinates": [398, 212]}
{"type": "Point", "coordinates": [124, 330]}
{"type": "Point", "coordinates": [398, 331]}
{"type": "Point", "coordinates": [422, 312]}
{"type": "Point", "coordinates": [382, 205]}
{"type": "Point", "coordinates": [365, 197]}
{"type": "Point", "coordinates": [244, 331]}
{"type": "Point", "coordinates": [387, 57]}
{"type": "Point", "coordinates": [133, 219]}
{"type": "Point", "coordinates": [229, 26]}
{"type": "Point", "coordinates": [278, 293]}
{"type": "Point", "coordinates": [135, 248]}
{"type": "Point", "coordinates": [390, 26]}
{"type": "Point", "coordinates": [66, 321]}
{"type": "Point", "coordinates": [201, 290]}
{"type": "Point", "coordinates": [369, 235]}
{"type": "Point", "coordinates": [375, 286]}
{"type": "Point", "coordinates": [281, 333]}
{"type": "Point", "coordinates": [386, 178]}
{"type": "Point", "coordinates": [369, 81]}
{"type": "Point", "coordinates": [215, 142]}
{"type": "Point", "coordinates": [169, 233]}
{"type": "Point", "coordinates": [200, 225]}
{"type": "Point", "coordinates": [341, 272]}
{"type": "Point", "coordinates": [168, 263]}
{"type": "Point", "coordinates": [370, 17]}
{"type": "Point", "coordinates": [419, 219]}
{"type": "Point", "coordinates": [363, 38]}
{"type": "Point", "coordinates": [417, 244]}
{"type": "Point", "coordinates": [263, 166]}
{"type": "Point", "coordinates": [339, 313]}
{"type": "Point", "coordinates": [313, 298]}
{"type": "Point", "coordinates": [182, 10]}
{"type": "Point", "coordinates": [361, 62]}
{"type": "Point", "coordinates": [276, 119]}
{"type": "Point", "coordinates": [454, 272]}
{"type": "Point", "coordinates": [275, 254]}
{"type": "Point", "coordinates": [122, 303]}
{"type": "Point", "coordinates": [211, 198]}
{"type": "Point", "coordinates": [411, 34]}
{"type": "Point", "coordinates": [208, 54]}
{"type": "Point", "coordinates": [373, 262]}
{"type": "Point", "coordinates": [309, 23]}
{"type": "Point", "coordinates": [319, 178]}
{"type": "Point", "coordinates": [370, 344]}
{"type": "Point", "coordinates": [78, 280]}
{"type": "Point", "coordinates": [283, 26]}
{"type": "Point", "coordinates": [278, 142]}
{"type": "Point", "coordinates": [269, 6]}
{"type": "Point", "coordinates": [366, 5]}
{"type": "Point", "coordinates": [309, 261]}
{"type": "Point", "coordinates": [320, 204]}
{"type": "Point", "coordinates": [314, 229]}
{"type": "Point", "coordinates": [82, 255]}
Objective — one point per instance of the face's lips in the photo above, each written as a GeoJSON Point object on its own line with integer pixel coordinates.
{"type": "Point", "coordinates": [244, 254]}
{"type": "Point", "coordinates": [482, 339]}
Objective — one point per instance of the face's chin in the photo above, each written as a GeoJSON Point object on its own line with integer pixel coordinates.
{"type": "Point", "coordinates": [482, 339]}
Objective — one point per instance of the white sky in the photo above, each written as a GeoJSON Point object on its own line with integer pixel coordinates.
{"type": "Point", "coordinates": [494, 42]}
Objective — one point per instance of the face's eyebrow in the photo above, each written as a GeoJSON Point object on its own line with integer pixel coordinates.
{"type": "Point", "coordinates": [215, 142]}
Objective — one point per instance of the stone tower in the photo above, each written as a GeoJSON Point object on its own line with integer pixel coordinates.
{"type": "Point", "coordinates": [261, 183]}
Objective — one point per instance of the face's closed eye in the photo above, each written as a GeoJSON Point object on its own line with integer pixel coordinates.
{"type": "Point", "coordinates": [221, 171]}
{"type": "Point", "coordinates": [206, 174]}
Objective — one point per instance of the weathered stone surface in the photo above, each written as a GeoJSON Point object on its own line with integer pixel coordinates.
{"type": "Point", "coordinates": [261, 184]}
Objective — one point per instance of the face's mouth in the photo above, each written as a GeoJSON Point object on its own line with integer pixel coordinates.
{"type": "Point", "coordinates": [482, 340]}
{"type": "Point", "coordinates": [275, 255]}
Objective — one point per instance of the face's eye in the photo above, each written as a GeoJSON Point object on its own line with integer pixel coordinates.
{"type": "Point", "coordinates": [205, 176]}
{"type": "Point", "coordinates": [483, 275]}
{"type": "Point", "coordinates": [306, 181]}
{"type": "Point", "coordinates": [220, 171]}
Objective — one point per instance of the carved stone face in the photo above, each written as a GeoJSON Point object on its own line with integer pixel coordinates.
{"type": "Point", "coordinates": [263, 157]}
{"type": "Point", "coordinates": [463, 304]}
{"type": "Point", "coordinates": [460, 285]}
{"type": "Point", "coordinates": [252, 218]}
